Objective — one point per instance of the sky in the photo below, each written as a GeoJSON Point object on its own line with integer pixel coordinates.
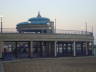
{"type": "Point", "coordinates": [69, 14]}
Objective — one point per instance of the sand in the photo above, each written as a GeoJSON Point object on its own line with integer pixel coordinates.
{"type": "Point", "coordinates": [61, 64]}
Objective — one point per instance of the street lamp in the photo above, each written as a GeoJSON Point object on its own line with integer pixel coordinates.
{"type": "Point", "coordinates": [1, 23]}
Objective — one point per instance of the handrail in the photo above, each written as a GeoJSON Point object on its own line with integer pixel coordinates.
{"type": "Point", "coordinates": [58, 31]}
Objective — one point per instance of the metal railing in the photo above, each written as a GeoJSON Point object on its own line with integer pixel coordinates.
{"type": "Point", "coordinates": [59, 31]}
{"type": "Point", "coordinates": [73, 32]}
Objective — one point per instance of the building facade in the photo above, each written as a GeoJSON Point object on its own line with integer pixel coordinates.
{"type": "Point", "coordinates": [38, 38]}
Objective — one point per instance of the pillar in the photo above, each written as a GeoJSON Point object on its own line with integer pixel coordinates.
{"type": "Point", "coordinates": [74, 48]}
{"type": "Point", "coordinates": [15, 51]}
{"type": "Point", "coordinates": [86, 48]}
{"type": "Point", "coordinates": [83, 47]}
{"type": "Point", "coordinates": [55, 49]}
{"type": "Point", "coordinates": [31, 48]}
{"type": "Point", "coordinates": [1, 48]}
{"type": "Point", "coordinates": [67, 49]}
{"type": "Point", "coordinates": [49, 53]}
{"type": "Point", "coordinates": [92, 47]}
{"type": "Point", "coordinates": [43, 49]}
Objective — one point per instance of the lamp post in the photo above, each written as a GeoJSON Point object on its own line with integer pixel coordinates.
{"type": "Point", "coordinates": [1, 23]}
{"type": "Point", "coordinates": [55, 26]}
{"type": "Point", "coordinates": [86, 27]}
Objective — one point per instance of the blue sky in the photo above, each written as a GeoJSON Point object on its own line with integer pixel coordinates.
{"type": "Point", "coordinates": [70, 14]}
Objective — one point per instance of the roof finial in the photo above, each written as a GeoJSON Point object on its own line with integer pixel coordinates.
{"type": "Point", "coordinates": [39, 14]}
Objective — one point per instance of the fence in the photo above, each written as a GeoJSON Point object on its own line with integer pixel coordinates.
{"type": "Point", "coordinates": [59, 31]}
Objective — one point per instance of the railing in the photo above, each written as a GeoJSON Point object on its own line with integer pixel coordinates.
{"type": "Point", "coordinates": [73, 32]}
{"type": "Point", "coordinates": [59, 31]}
{"type": "Point", "coordinates": [9, 30]}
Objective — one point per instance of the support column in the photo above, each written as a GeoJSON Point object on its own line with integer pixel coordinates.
{"type": "Point", "coordinates": [16, 52]}
{"type": "Point", "coordinates": [93, 48]}
{"type": "Point", "coordinates": [83, 47]}
{"type": "Point", "coordinates": [43, 49]}
{"type": "Point", "coordinates": [55, 48]}
{"type": "Point", "coordinates": [67, 49]}
{"type": "Point", "coordinates": [1, 48]}
{"type": "Point", "coordinates": [31, 48]}
{"type": "Point", "coordinates": [49, 53]}
{"type": "Point", "coordinates": [74, 48]}
{"type": "Point", "coordinates": [86, 48]}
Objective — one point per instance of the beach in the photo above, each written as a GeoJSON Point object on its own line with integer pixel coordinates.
{"type": "Point", "coordinates": [60, 64]}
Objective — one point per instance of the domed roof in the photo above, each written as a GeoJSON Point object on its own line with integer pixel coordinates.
{"type": "Point", "coordinates": [23, 23]}
{"type": "Point", "coordinates": [39, 20]}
